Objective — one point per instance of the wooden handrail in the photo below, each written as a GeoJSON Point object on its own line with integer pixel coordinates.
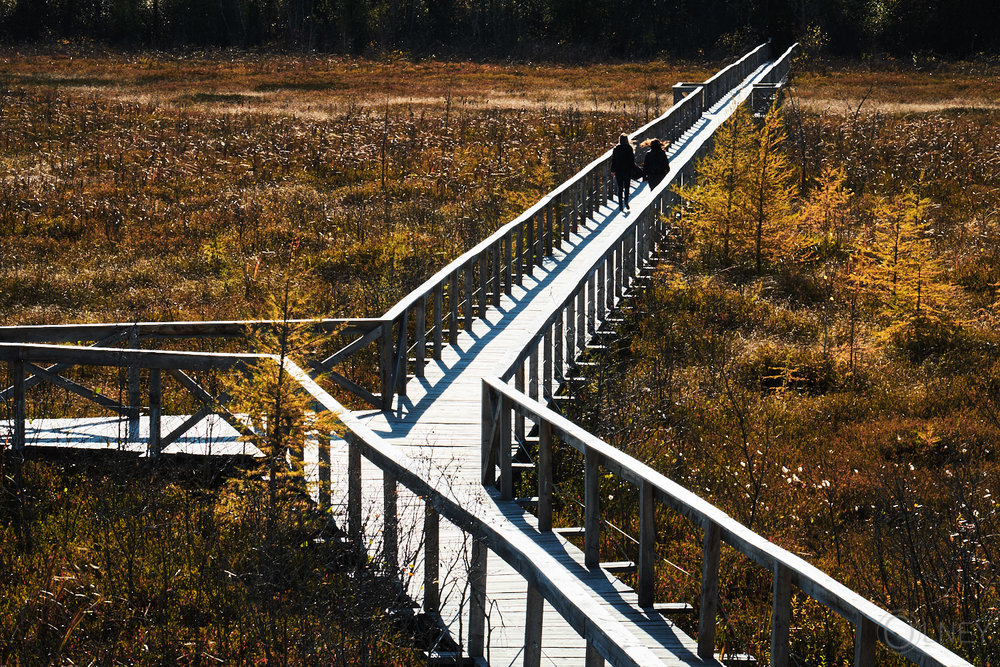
{"type": "Point", "coordinates": [68, 333]}
{"type": "Point", "coordinates": [542, 572]}
{"type": "Point", "coordinates": [900, 637]}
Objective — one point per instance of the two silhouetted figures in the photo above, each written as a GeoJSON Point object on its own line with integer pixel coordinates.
{"type": "Point", "coordinates": [654, 168]}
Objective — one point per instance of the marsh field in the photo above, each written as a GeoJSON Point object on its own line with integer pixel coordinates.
{"type": "Point", "coordinates": [817, 353]}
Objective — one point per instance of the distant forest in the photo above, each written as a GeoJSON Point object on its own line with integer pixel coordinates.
{"type": "Point", "coordinates": [577, 29]}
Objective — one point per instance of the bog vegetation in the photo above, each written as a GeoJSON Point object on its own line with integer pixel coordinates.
{"type": "Point", "coordinates": [819, 356]}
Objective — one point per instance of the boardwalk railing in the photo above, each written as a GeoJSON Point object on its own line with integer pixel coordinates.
{"type": "Point", "coordinates": [872, 623]}
{"type": "Point", "coordinates": [607, 638]}
{"type": "Point", "coordinates": [27, 374]}
{"type": "Point", "coordinates": [430, 316]}
{"type": "Point", "coordinates": [540, 368]}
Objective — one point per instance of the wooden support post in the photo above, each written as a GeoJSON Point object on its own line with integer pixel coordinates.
{"type": "Point", "coordinates": [581, 317]}
{"type": "Point", "coordinates": [646, 576]}
{"type": "Point", "coordinates": [591, 304]}
{"type": "Point", "coordinates": [354, 492]}
{"type": "Point", "coordinates": [519, 418]}
{"type": "Point", "coordinates": [709, 592]}
{"type": "Point", "coordinates": [549, 227]}
{"type": "Point", "coordinates": [533, 371]}
{"type": "Point", "coordinates": [489, 435]}
{"type": "Point", "coordinates": [593, 658]}
{"type": "Point", "coordinates": [470, 296]}
{"type": "Point", "coordinates": [529, 244]}
{"type": "Point", "coordinates": [134, 390]}
{"type": "Point", "coordinates": [484, 283]}
{"type": "Point", "coordinates": [438, 320]}
{"type": "Point", "coordinates": [18, 439]}
{"type": "Point", "coordinates": [539, 222]}
{"type": "Point", "coordinates": [781, 616]}
{"type": "Point", "coordinates": [453, 299]}
{"type": "Point", "coordinates": [602, 291]}
{"type": "Point", "coordinates": [547, 365]}
{"type": "Point", "coordinates": [865, 637]}
{"type": "Point", "coordinates": [506, 470]}
{"type": "Point", "coordinates": [323, 458]}
{"type": "Point", "coordinates": [432, 556]}
{"type": "Point", "coordinates": [420, 331]}
{"type": "Point", "coordinates": [508, 283]}
{"type": "Point", "coordinates": [592, 509]}
{"type": "Point", "coordinates": [571, 330]}
{"type": "Point", "coordinates": [497, 274]}
{"type": "Point", "coordinates": [545, 476]}
{"type": "Point", "coordinates": [519, 255]}
{"type": "Point", "coordinates": [558, 353]}
{"type": "Point", "coordinates": [565, 216]}
{"type": "Point", "coordinates": [402, 353]}
{"type": "Point", "coordinates": [390, 523]}
{"type": "Point", "coordinates": [477, 599]}
{"type": "Point", "coordinates": [155, 412]}
{"type": "Point", "coordinates": [387, 364]}
{"type": "Point", "coordinates": [535, 605]}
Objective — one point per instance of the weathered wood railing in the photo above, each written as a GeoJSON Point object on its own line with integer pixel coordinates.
{"type": "Point", "coordinates": [28, 374]}
{"type": "Point", "coordinates": [871, 622]}
{"type": "Point", "coordinates": [462, 290]}
{"type": "Point", "coordinates": [607, 638]}
{"type": "Point", "coordinates": [539, 368]}
{"type": "Point", "coordinates": [768, 90]}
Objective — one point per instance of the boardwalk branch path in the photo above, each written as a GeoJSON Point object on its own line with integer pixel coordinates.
{"type": "Point", "coordinates": [438, 421]}
{"type": "Point", "coordinates": [413, 480]}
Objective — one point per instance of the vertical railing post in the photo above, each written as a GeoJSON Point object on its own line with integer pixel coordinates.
{"type": "Point", "coordinates": [477, 599]}
{"type": "Point", "coordinates": [593, 658]}
{"type": "Point", "coordinates": [581, 318]}
{"type": "Point", "coordinates": [438, 320]}
{"type": "Point", "coordinates": [534, 607]}
{"type": "Point", "coordinates": [20, 411]}
{"type": "Point", "coordinates": [506, 473]}
{"type": "Point", "coordinates": [497, 273]}
{"type": "Point", "coordinates": [402, 353]}
{"type": "Point", "coordinates": [134, 391]}
{"type": "Point", "coordinates": [155, 412]}
{"type": "Point", "coordinates": [354, 491]}
{"type": "Point", "coordinates": [865, 636]}
{"type": "Point", "coordinates": [602, 291]}
{"type": "Point", "coordinates": [432, 555]}
{"type": "Point", "coordinates": [591, 304]}
{"type": "Point", "coordinates": [558, 353]}
{"type": "Point", "coordinates": [544, 476]}
{"type": "Point", "coordinates": [519, 385]}
{"type": "Point", "coordinates": [529, 244]}
{"type": "Point", "coordinates": [646, 576]}
{"type": "Point", "coordinates": [324, 440]}
{"type": "Point", "coordinates": [592, 509]}
{"type": "Point", "coordinates": [781, 616]}
{"type": "Point", "coordinates": [453, 299]}
{"type": "Point", "coordinates": [470, 296]}
{"type": "Point", "coordinates": [571, 330]}
{"type": "Point", "coordinates": [508, 282]}
{"type": "Point", "coordinates": [539, 221]}
{"type": "Point", "coordinates": [533, 371]}
{"type": "Point", "coordinates": [547, 364]}
{"type": "Point", "coordinates": [484, 281]}
{"type": "Point", "coordinates": [490, 434]}
{"type": "Point", "coordinates": [390, 522]}
{"type": "Point", "coordinates": [549, 227]}
{"type": "Point", "coordinates": [519, 255]}
{"type": "Point", "coordinates": [420, 333]}
{"type": "Point", "coordinates": [386, 364]}
{"type": "Point", "coordinates": [709, 592]}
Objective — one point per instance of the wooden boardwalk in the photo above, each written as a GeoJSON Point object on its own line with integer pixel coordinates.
{"type": "Point", "coordinates": [502, 586]}
{"type": "Point", "coordinates": [438, 421]}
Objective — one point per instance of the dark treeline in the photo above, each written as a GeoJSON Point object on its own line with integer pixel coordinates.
{"type": "Point", "coordinates": [527, 28]}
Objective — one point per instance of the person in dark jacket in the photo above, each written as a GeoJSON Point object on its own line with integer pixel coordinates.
{"type": "Point", "coordinates": [656, 165]}
{"type": "Point", "coordinates": [622, 165]}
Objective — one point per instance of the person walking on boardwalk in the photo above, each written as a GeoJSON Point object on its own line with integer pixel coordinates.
{"type": "Point", "coordinates": [622, 165]}
{"type": "Point", "coordinates": [656, 164]}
